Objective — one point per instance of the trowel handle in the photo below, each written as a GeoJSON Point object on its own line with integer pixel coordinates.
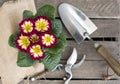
{"type": "Point", "coordinates": [113, 63]}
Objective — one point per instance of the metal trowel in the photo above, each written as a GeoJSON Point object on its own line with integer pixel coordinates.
{"type": "Point", "coordinates": [81, 27]}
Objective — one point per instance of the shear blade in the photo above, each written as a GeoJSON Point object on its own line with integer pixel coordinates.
{"type": "Point", "coordinates": [72, 59]}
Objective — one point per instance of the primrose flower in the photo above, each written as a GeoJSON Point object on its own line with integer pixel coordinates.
{"type": "Point", "coordinates": [26, 26]}
{"type": "Point", "coordinates": [22, 42]}
{"type": "Point", "coordinates": [36, 52]}
{"type": "Point", "coordinates": [42, 24]}
{"type": "Point", "coordinates": [48, 40]}
{"type": "Point", "coordinates": [34, 38]}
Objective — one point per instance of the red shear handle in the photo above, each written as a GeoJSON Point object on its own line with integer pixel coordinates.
{"type": "Point", "coordinates": [113, 63]}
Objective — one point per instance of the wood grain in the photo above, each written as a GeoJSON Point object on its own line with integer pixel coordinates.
{"type": "Point", "coordinates": [106, 28]}
{"type": "Point", "coordinates": [87, 48]}
{"type": "Point", "coordinates": [75, 82]}
{"type": "Point", "coordinates": [88, 70]}
{"type": "Point", "coordinates": [119, 48]}
{"type": "Point", "coordinates": [93, 8]}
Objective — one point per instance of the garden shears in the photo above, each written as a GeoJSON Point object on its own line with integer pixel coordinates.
{"type": "Point", "coordinates": [70, 65]}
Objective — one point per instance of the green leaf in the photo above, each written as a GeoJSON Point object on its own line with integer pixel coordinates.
{"type": "Point", "coordinates": [12, 38]}
{"type": "Point", "coordinates": [51, 60]}
{"type": "Point", "coordinates": [24, 60]}
{"type": "Point", "coordinates": [27, 14]}
{"type": "Point", "coordinates": [60, 46]}
{"type": "Point", "coordinates": [57, 27]}
{"type": "Point", "coordinates": [46, 10]}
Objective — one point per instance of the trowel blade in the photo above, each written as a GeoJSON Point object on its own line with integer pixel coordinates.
{"type": "Point", "coordinates": [76, 22]}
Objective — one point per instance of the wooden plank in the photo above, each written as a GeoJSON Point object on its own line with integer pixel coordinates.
{"type": "Point", "coordinates": [106, 28]}
{"type": "Point", "coordinates": [87, 48]}
{"type": "Point", "coordinates": [88, 70]}
{"type": "Point", "coordinates": [75, 82]}
{"type": "Point", "coordinates": [93, 8]}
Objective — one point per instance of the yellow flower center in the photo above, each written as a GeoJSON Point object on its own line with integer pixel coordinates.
{"type": "Point", "coordinates": [36, 50]}
{"type": "Point", "coordinates": [48, 39]}
{"type": "Point", "coordinates": [41, 25]}
{"type": "Point", "coordinates": [27, 27]}
{"type": "Point", "coordinates": [24, 42]}
{"type": "Point", "coordinates": [34, 38]}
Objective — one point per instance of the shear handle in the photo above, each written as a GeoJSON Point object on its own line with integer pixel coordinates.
{"type": "Point", "coordinates": [68, 69]}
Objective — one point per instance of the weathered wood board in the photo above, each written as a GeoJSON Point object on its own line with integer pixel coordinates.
{"type": "Point", "coordinates": [87, 48]}
{"type": "Point", "coordinates": [88, 70]}
{"type": "Point", "coordinates": [92, 8]}
{"type": "Point", "coordinates": [73, 82]}
{"type": "Point", "coordinates": [106, 28]}
{"type": "Point", "coordinates": [76, 82]}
